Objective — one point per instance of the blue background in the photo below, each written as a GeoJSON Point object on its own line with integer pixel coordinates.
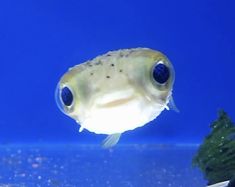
{"type": "Point", "coordinates": [40, 40]}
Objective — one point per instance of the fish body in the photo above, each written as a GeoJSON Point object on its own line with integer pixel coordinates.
{"type": "Point", "coordinates": [118, 91]}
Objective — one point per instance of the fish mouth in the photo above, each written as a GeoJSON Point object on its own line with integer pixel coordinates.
{"type": "Point", "coordinates": [117, 98]}
{"type": "Point", "coordinates": [118, 102]}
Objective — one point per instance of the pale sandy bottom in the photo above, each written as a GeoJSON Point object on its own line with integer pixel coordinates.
{"type": "Point", "coordinates": [91, 166]}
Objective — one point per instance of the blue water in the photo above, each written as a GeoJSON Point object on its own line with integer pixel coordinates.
{"type": "Point", "coordinates": [89, 165]}
{"type": "Point", "coordinates": [40, 40]}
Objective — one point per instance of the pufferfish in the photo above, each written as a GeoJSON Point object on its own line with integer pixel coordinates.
{"type": "Point", "coordinates": [117, 92]}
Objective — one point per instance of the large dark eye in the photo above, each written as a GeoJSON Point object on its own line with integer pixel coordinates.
{"type": "Point", "coordinates": [67, 96]}
{"type": "Point", "coordinates": [161, 73]}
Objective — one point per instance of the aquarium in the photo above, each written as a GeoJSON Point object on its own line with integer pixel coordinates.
{"type": "Point", "coordinates": [117, 93]}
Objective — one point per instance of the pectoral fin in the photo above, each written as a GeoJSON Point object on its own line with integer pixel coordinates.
{"type": "Point", "coordinates": [172, 105]}
{"type": "Point", "coordinates": [111, 140]}
{"type": "Point", "coordinates": [81, 129]}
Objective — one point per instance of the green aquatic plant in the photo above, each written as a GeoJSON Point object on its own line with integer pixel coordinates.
{"type": "Point", "coordinates": [216, 156]}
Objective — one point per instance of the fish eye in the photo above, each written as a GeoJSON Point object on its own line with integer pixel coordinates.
{"type": "Point", "coordinates": [67, 96]}
{"type": "Point", "coordinates": [161, 73]}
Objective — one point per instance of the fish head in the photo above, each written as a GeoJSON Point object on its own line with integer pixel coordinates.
{"type": "Point", "coordinates": [129, 89]}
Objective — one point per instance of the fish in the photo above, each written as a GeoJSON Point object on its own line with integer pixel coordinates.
{"type": "Point", "coordinates": [117, 92]}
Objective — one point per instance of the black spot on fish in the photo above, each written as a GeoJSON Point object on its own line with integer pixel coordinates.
{"type": "Point", "coordinates": [112, 64]}
{"type": "Point", "coordinates": [107, 77]}
{"type": "Point", "coordinates": [120, 70]}
{"type": "Point", "coordinates": [91, 74]}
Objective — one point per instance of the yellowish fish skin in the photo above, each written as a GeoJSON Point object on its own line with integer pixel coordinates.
{"type": "Point", "coordinates": [115, 92]}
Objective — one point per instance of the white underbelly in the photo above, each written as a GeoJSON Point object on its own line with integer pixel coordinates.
{"type": "Point", "coordinates": [121, 118]}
